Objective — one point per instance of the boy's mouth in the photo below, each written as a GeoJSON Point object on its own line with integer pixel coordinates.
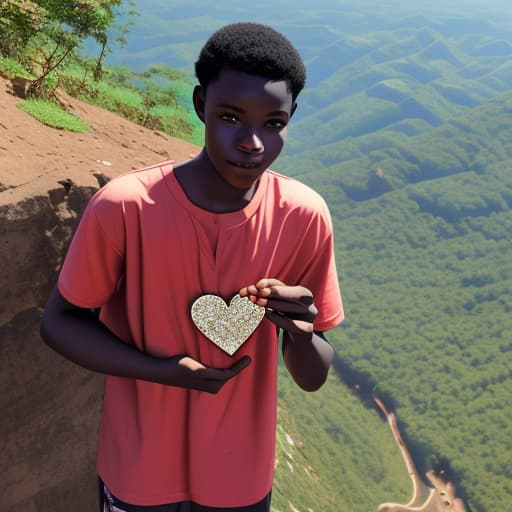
{"type": "Point", "coordinates": [245, 165]}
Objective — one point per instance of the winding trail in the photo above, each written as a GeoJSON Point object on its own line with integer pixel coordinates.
{"type": "Point", "coordinates": [441, 497]}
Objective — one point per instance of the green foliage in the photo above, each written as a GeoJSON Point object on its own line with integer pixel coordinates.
{"type": "Point", "coordinates": [51, 114]}
{"type": "Point", "coordinates": [111, 96]}
{"type": "Point", "coordinates": [464, 195]}
{"type": "Point", "coordinates": [427, 291]}
{"type": "Point", "coordinates": [19, 22]}
{"type": "Point", "coordinates": [153, 98]}
{"type": "Point", "coordinates": [11, 68]}
{"type": "Point", "coordinates": [332, 454]}
{"type": "Point", "coordinates": [43, 34]}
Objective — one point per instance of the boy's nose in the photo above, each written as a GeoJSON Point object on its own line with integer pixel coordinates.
{"type": "Point", "coordinates": [250, 142]}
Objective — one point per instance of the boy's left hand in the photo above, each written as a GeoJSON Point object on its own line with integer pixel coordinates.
{"type": "Point", "coordinates": [291, 308]}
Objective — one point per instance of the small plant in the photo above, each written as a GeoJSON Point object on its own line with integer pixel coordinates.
{"type": "Point", "coordinates": [11, 68]}
{"type": "Point", "coordinates": [51, 114]}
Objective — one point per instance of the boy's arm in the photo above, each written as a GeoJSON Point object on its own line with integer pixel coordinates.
{"type": "Point", "coordinates": [307, 354]}
{"type": "Point", "coordinates": [308, 358]}
{"type": "Point", "coordinates": [78, 335]}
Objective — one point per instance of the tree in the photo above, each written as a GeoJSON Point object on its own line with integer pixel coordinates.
{"type": "Point", "coordinates": [66, 25]}
{"type": "Point", "coordinates": [158, 90]}
{"type": "Point", "coordinates": [47, 32]}
{"type": "Point", "coordinates": [19, 22]}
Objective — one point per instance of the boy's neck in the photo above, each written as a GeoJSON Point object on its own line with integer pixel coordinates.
{"type": "Point", "coordinates": [206, 188]}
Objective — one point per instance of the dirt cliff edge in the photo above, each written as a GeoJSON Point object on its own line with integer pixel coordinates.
{"type": "Point", "coordinates": [49, 406]}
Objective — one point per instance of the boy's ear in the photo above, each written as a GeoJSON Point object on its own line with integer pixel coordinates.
{"type": "Point", "coordinates": [198, 99]}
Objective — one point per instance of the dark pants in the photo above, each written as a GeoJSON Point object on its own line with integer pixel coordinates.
{"type": "Point", "coordinates": [184, 506]}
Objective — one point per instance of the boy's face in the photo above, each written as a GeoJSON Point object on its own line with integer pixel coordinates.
{"type": "Point", "coordinates": [246, 118]}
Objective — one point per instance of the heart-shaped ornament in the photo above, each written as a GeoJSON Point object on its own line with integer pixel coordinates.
{"type": "Point", "coordinates": [226, 326]}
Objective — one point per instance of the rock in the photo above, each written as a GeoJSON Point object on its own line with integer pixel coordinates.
{"type": "Point", "coordinates": [35, 232]}
{"type": "Point", "coordinates": [50, 406]}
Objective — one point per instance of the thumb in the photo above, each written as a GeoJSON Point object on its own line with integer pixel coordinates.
{"type": "Point", "coordinates": [242, 363]}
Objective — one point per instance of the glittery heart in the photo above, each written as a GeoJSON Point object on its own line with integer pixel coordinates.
{"type": "Point", "coordinates": [227, 326]}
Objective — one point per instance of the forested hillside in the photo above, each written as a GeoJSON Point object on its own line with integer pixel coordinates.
{"type": "Point", "coordinates": [406, 129]}
{"type": "Point", "coordinates": [427, 280]}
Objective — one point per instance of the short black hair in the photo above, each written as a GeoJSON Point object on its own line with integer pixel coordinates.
{"type": "Point", "coordinates": [254, 49]}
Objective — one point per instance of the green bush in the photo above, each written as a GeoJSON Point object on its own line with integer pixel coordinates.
{"type": "Point", "coordinates": [51, 114]}
{"type": "Point", "coordinates": [11, 68]}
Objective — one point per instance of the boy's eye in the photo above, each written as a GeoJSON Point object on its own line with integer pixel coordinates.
{"type": "Point", "coordinates": [276, 123]}
{"type": "Point", "coordinates": [231, 118]}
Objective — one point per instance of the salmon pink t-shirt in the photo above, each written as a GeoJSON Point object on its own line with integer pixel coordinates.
{"type": "Point", "coordinates": [143, 253]}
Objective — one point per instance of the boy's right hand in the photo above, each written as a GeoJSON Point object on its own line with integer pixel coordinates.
{"type": "Point", "coordinates": [192, 374]}
{"type": "Point", "coordinates": [77, 334]}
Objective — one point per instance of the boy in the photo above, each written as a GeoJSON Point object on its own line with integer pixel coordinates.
{"type": "Point", "coordinates": [184, 425]}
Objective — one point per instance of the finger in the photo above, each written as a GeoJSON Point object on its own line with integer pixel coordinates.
{"type": "Point", "coordinates": [283, 298]}
{"type": "Point", "coordinates": [224, 374]}
{"type": "Point", "coordinates": [244, 292]}
{"type": "Point", "coordinates": [190, 364]}
{"type": "Point", "coordinates": [294, 309]}
{"type": "Point", "coordinates": [289, 324]}
{"type": "Point", "coordinates": [255, 295]}
{"type": "Point", "coordinates": [242, 363]}
{"type": "Point", "coordinates": [294, 306]}
{"type": "Point", "coordinates": [259, 296]}
{"type": "Point", "coordinates": [297, 294]}
{"type": "Point", "coordinates": [255, 289]}
{"type": "Point", "coordinates": [259, 291]}
{"type": "Point", "coordinates": [268, 282]}
{"type": "Point", "coordinates": [251, 292]}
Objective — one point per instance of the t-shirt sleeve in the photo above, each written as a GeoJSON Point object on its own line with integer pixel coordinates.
{"type": "Point", "coordinates": [320, 274]}
{"type": "Point", "coordinates": [324, 283]}
{"type": "Point", "coordinates": [94, 263]}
